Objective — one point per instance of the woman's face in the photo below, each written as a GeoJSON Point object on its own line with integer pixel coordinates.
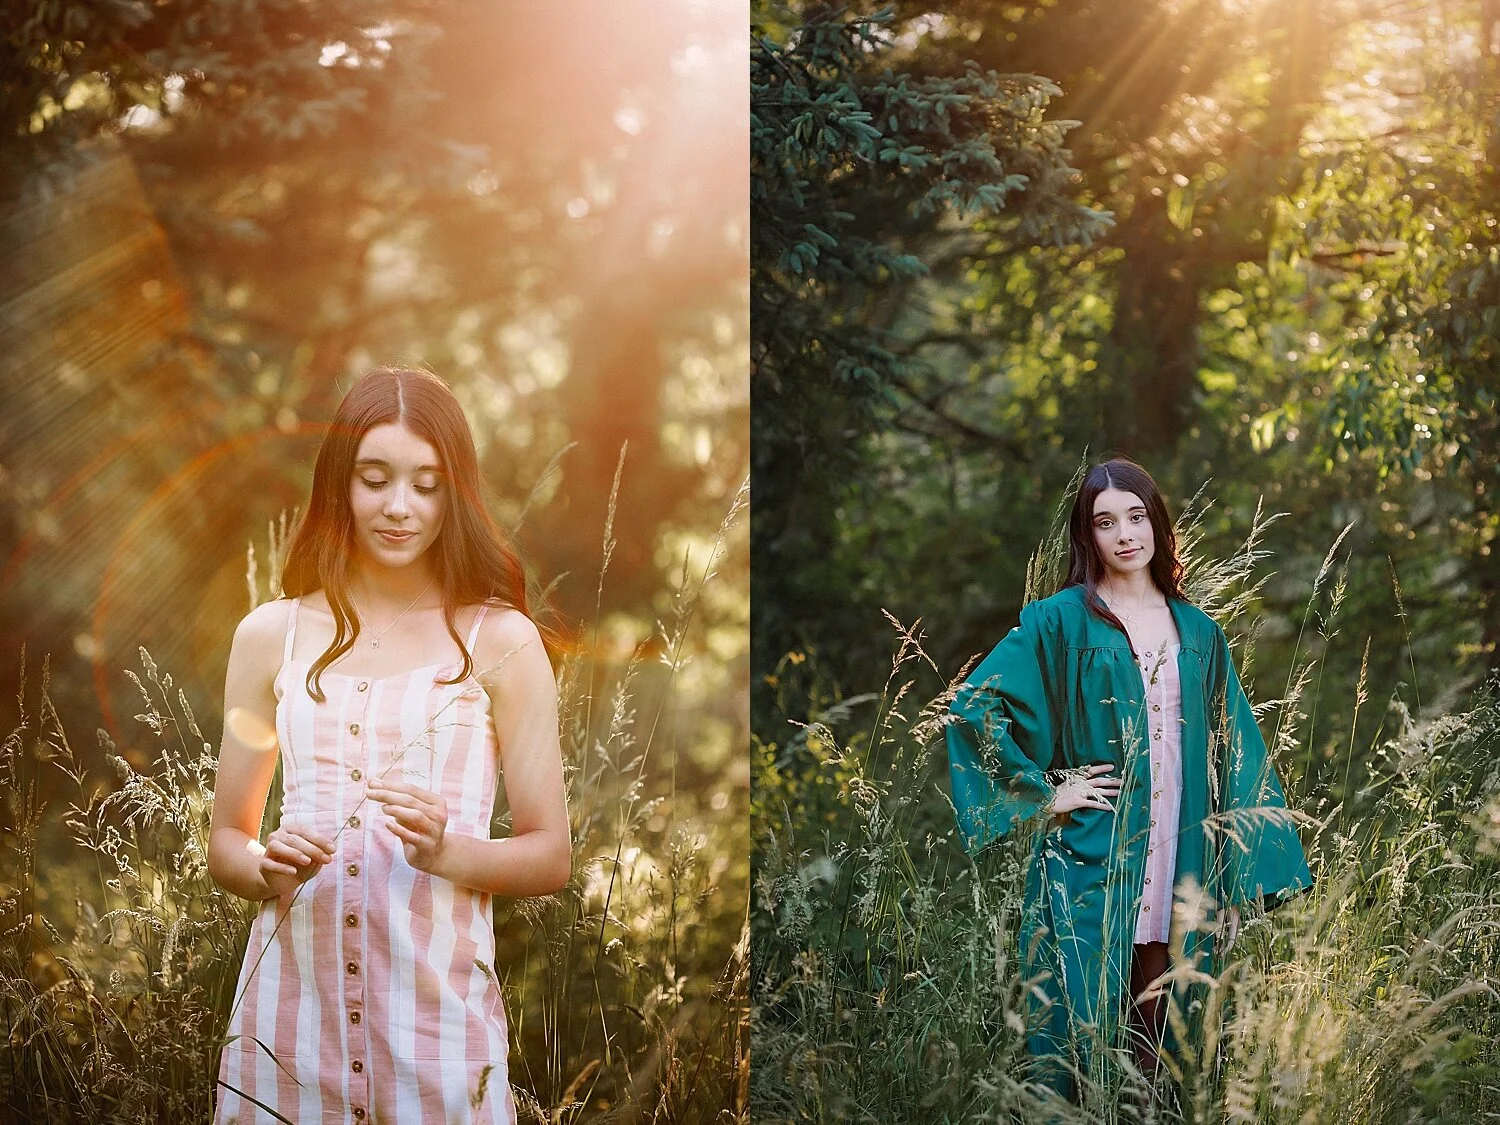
{"type": "Point", "coordinates": [398, 494]}
{"type": "Point", "coordinates": [1122, 533]}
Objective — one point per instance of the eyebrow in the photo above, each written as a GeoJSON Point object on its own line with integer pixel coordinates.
{"type": "Point", "coordinates": [377, 463]}
{"type": "Point", "coordinates": [1137, 508]}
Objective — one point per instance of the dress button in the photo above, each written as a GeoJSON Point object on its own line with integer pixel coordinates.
{"type": "Point", "coordinates": [354, 822]}
{"type": "Point", "coordinates": [353, 1017]}
{"type": "Point", "coordinates": [355, 775]}
{"type": "Point", "coordinates": [1147, 909]}
{"type": "Point", "coordinates": [353, 728]}
{"type": "Point", "coordinates": [353, 869]}
{"type": "Point", "coordinates": [352, 968]}
{"type": "Point", "coordinates": [1156, 706]}
{"type": "Point", "coordinates": [357, 1066]}
{"type": "Point", "coordinates": [1148, 880]}
{"type": "Point", "coordinates": [353, 919]}
{"type": "Point", "coordinates": [364, 685]}
{"type": "Point", "coordinates": [359, 1113]}
{"type": "Point", "coordinates": [1153, 825]}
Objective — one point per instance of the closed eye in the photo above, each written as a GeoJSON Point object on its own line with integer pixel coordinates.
{"type": "Point", "coordinates": [377, 485]}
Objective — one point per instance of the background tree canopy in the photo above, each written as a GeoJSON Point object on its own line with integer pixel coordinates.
{"type": "Point", "coordinates": [218, 215]}
{"type": "Point", "coordinates": [1271, 275]}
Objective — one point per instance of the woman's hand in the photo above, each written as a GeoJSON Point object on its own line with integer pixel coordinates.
{"type": "Point", "coordinates": [1086, 789]}
{"type": "Point", "coordinates": [417, 816]}
{"type": "Point", "coordinates": [293, 854]}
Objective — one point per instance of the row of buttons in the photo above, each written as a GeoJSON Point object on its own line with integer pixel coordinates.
{"type": "Point", "coordinates": [1156, 794]}
{"type": "Point", "coordinates": [351, 920]}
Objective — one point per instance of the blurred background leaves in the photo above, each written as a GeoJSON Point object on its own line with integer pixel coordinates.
{"type": "Point", "coordinates": [218, 213]}
{"type": "Point", "coordinates": [1255, 245]}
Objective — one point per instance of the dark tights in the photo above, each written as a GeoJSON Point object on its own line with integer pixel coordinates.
{"type": "Point", "coordinates": [1148, 1015]}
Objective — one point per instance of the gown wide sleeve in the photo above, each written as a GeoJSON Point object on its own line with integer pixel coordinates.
{"type": "Point", "coordinates": [1000, 737]}
{"type": "Point", "coordinates": [1262, 855]}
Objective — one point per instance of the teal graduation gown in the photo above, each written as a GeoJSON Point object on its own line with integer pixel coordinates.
{"type": "Point", "coordinates": [1063, 690]}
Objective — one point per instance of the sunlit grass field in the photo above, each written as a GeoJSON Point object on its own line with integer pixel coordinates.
{"type": "Point", "coordinates": [626, 992]}
{"type": "Point", "coordinates": [886, 981]}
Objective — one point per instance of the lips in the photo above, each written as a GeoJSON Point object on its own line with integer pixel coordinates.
{"type": "Point", "coordinates": [1130, 554]}
{"type": "Point", "coordinates": [396, 537]}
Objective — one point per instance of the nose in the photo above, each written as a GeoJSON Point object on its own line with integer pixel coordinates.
{"type": "Point", "coordinates": [397, 501]}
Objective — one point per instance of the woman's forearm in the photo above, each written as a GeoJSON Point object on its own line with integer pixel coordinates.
{"type": "Point", "coordinates": [234, 864]}
{"type": "Point", "coordinates": [533, 863]}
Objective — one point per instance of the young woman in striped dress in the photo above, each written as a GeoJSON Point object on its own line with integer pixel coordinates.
{"type": "Point", "coordinates": [397, 679]}
{"type": "Point", "coordinates": [1113, 720]}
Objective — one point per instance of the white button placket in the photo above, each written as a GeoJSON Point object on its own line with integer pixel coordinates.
{"type": "Point", "coordinates": [1151, 682]}
{"type": "Point", "coordinates": [356, 762]}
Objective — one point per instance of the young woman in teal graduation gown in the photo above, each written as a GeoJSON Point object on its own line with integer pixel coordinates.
{"type": "Point", "coordinates": [1051, 729]}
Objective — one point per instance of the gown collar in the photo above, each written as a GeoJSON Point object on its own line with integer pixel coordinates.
{"type": "Point", "coordinates": [1186, 616]}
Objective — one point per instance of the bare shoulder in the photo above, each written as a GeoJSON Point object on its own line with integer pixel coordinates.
{"type": "Point", "coordinates": [504, 629]}
{"type": "Point", "coordinates": [265, 625]}
{"type": "Point", "coordinates": [259, 638]}
{"type": "Point", "coordinates": [509, 645]}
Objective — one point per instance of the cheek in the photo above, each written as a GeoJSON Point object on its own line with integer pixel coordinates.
{"type": "Point", "coordinates": [361, 502]}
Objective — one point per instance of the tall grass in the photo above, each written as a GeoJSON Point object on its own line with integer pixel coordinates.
{"type": "Point", "coordinates": [627, 991]}
{"type": "Point", "coordinates": [887, 984]}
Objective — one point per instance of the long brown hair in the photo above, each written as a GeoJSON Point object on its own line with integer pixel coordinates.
{"type": "Point", "coordinates": [1086, 568]}
{"type": "Point", "coordinates": [472, 560]}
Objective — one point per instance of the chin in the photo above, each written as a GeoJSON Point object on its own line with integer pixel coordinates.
{"type": "Point", "coordinates": [386, 555]}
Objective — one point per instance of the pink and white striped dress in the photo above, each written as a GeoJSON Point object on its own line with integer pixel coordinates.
{"type": "Point", "coordinates": [1164, 726]}
{"type": "Point", "coordinates": [374, 985]}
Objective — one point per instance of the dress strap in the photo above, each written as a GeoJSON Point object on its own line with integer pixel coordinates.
{"type": "Point", "coordinates": [474, 629]}
{"type": "Point", "coordinates": [291, 629]}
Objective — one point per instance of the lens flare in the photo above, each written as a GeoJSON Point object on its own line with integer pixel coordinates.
{"type": "Point", "coordinates": [249, 729]}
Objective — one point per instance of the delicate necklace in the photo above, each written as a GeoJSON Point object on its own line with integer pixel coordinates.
{"type": "Point", "coordinates": [375, 640]}
{"type": "Point", "coordinates": [1119, 610]}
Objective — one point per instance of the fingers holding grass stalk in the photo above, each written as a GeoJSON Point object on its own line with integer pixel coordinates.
{"type": "Point", "coordinates": [417, 817]}
{"type": "Point", "coordinates": [1087, 788]}
{"type": "Point", "coordinates": [293, 854]}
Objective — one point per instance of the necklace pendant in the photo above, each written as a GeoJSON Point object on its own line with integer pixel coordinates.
{"type": "Point", "coordinates": [375, 643]}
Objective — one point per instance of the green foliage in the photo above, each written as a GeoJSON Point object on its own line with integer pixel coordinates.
{"type": "Point", "coordinates": [1294, 303]}
{"type": "Point", "coordinates": [114, 998]}
{"type": "Point", "coordinates": [858, 167]}
{"type": "Point", "coordinates": [251, 73]}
